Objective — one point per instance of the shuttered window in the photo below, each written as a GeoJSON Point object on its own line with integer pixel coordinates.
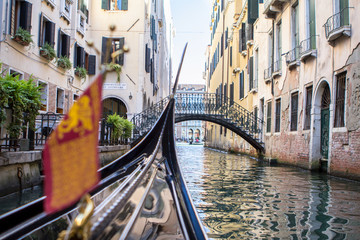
{"type": "Point", "coordinates": [241, 76]}
{"type": "Point", "coordinates": [253, 11]}
{"type": "Point", "coordinates": [92, 65]}
{"type": "Point", "coordinates": [79, 56]}
{"type": "Point", "coordinates": [268, 117]}
{"type": "Point", "coordinates": [47, 31]}
{"type": "Point", "coordinates": [114, 4]}
{"type": "Point", "coordinates": [308, 108]}
{"type": "Point", "coordinates": [251, 74]}
{"type": "Point", "coordinates": [20, 16]}
{"type": "Point", "coordinates": [113, 44]}
{"type": "Point", "coordinates": [294, 111]}
{"type": "Point", "coordinates": [340, 100]}
{"type": "Point", "coordinates": [277, 114]}
{"type": "Point", "coordinates": [231, 93]}
{"type": "Point", "coordinates": [147, 59]}
{"type": "Point", "coordinates": [63, 44]}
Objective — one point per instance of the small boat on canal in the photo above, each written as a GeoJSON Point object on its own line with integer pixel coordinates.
{"type": "Point", "coordinates": [141, 195]}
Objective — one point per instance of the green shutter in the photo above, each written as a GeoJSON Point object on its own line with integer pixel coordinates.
{"type": "Point", "coordinates": [105, 4]}
{"type": "Point", "coordinates": [124, 4]}
{"type": "Point", "coordinates": [253, 11]}
{"type": "Point", "coordinates": [92, 65]}
{"type": "Point", "coordinates": [312, 24]}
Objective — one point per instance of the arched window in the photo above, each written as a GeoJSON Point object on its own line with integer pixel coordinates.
{"type": "Point", "coordinates": [114, 105]}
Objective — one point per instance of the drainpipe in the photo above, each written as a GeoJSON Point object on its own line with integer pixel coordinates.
{"type": "Point", "coordinates": [272, 57]}
{"type": "Point", "coordinates": [6, 17]}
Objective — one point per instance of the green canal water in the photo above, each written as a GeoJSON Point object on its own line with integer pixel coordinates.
{"type": "Point", "coordinates": [239, 197]}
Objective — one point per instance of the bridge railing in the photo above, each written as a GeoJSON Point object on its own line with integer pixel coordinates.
{"type": "Point", "coordinates": [145, 120]}
{"type": "Point", "coordinates": [210, 104]}
{"type": "Point", "coordinates": [220, 107]}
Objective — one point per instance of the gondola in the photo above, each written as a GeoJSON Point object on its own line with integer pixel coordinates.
{"type": "Point", "coordinates": [141, 195]}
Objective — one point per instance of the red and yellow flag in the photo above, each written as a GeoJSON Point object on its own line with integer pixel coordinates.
{"type": "Point", "coordinates": [70, 155]}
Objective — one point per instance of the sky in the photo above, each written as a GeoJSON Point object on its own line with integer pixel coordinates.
{"type": "Point", "coordinates": [191, 19]}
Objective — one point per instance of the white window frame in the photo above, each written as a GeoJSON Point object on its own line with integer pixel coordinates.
{"type": "Point", "coordinates": [46, 93]}
{"type": "Point", "coordinates": [63, 12]}
{"type": "Point", "coordinates": [13, 70]}
{"type": "Point", "coordinates": [63, 100]}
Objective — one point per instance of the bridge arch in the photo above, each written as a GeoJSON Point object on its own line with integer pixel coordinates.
{"type": "Point", "coordinates": [226, 124]}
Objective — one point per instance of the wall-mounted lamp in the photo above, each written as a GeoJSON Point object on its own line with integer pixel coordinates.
{"type": "Point", "coordinates": [130, 96]}
{"type": "Point", "coordinates": [70, 79]}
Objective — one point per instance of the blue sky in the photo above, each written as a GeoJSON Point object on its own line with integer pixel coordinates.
{"type": "Point", "coordinates": [191, 19]}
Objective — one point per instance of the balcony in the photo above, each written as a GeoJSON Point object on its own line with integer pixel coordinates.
{"type": "Point", "coordinates": [277, 69]}
{"type": "Point", "coordinates": [272, 7]}
{"type": "Point", "coordinates": [292, 57]}
{"type": "Point", "coordinates": [338, 25]}
{"type": "Point", "coordinates": [308, 48]}
{"type": "Point", "coordinates": [267, 74]}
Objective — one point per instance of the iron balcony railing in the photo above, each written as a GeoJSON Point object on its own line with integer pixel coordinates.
{"type": "Point", "coordinates": [292, 55]}
{"type": "Point", "coordinates": [337, 21]}
{"type": "Point", "coordinates": [267, 73]}
{"type": "Point", "coordinates": [307, 45]}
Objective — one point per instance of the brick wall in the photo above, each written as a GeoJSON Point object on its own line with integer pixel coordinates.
{"type": "Point", "coordinates": [345, 155]}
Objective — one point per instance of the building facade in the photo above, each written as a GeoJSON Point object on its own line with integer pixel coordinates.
{"type": "Point", "coordinates": [306, 61]}
{"type": "Point", "coordinates": [190, 131]}
{"type": "Point", "coordinates": [68, 26]}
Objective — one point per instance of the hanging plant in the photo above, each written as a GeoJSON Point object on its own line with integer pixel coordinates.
{"type": "Point", "coordinates": [116, 68]}
{"type": "Point", "coordinates": [23, 99]}
{"type": "Point", "coordinates": [47, 51]}
{"type": "Point", "coordinates": [22, 37]}
{"type": "Point", "coordinates": [80, 72]}
{"type": "Point", "coordinates": [64, 62]}
{"type": "Point", "coordinates": [122, 127]}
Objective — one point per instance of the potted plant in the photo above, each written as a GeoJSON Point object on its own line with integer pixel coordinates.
{"type": "Point", "coordinates": [47, 51]}
{"type": "Point", "coordinates": [116, 68]}
{"type": "Point", "coordinates": [64, 62]}
{"type": "Point", "coordinates": [80, 72]}
{"type": "Point", "coordinates": [22, 37]}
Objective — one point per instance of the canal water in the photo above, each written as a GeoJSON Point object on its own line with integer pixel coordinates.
{"type": "Point", "coordinates": [239, 197]}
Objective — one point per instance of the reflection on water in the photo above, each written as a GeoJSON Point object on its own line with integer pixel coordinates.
{"type": "Point", "coordinates": [238, 197]}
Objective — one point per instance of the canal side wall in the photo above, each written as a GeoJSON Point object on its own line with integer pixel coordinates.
{"type": "Point", "coordinates": [21, 170]}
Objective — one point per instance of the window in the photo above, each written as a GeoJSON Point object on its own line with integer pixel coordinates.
{"type": "Point", "coordinates": [310, 23]}
{"type": "Point", "coordinates": [63, 44]}
{"type": "Point", "coordinates": [277, 114]}
{"type": "Point", "coordinates": [66, 9]}
{"type": "Point", "coordinates": [231, 93]}
{"type": "Point", "coordinates": [20, 16]}
{"type": "Point", "coordinates": [277, 65]}
{"type": "Point", "coordinates": [230, 56]}
{"type": "Point", "coordinates": [79, 56]}
{"type": "Point", "coordinates": [114, 4]}
{"type": "Point", "coordinates": [147, 59]}
{"type": "Point", "coordinates": [295, 26]}
{"type": "Point", "coordinates": [226, 38]}
{"type": "Point", "coordinates": [242, 38]}
{"type": "Point", "coordinates": [256, 68]}
{"type": "Point", "coordinates": [241, 78]}
{"type": "Point", "coordinates": [222, 45]}
{"type": "Point", "coordinates": [253, 11]}
{"type": "Point", "coordinates": [114, 44]}
{"type": "Point", "coordinates": [60, 95]}
{"type": "Point", "coordinates": [44, 95]}
{"type": "Point", "coordinates": [16, 74]}
{"type": "Point", "coordinates": [47, 31]}
{"type": "Point", "coordinates": [251, 75]}
{"type": "Point", "coordinates": [75, 98]}
{"type": "Point", "coordinates": [294, 111]}
{"type": "Point", "coordinates": [268, 117]}
{"type": "Point", "coordinates": [308, 108]}
{"type": "Point", "coordinates": [270, 51]}
{"type": "Point", "coordinates": [340, 100]}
